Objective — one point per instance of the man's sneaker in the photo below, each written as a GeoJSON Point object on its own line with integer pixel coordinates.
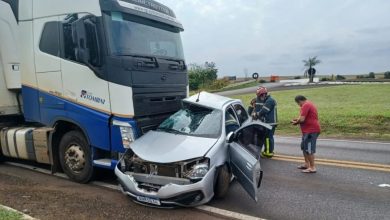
{"type": "Point", "coordinates": [267, 155]}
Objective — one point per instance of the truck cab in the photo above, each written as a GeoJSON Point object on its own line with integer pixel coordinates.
{"type": "Point", "coordinates": [93, 74]}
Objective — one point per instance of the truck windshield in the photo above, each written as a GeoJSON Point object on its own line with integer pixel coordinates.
{"type": "Point", "coordinates": [132, 35]}
{"type": "Point", "coordinates": [195, 121]}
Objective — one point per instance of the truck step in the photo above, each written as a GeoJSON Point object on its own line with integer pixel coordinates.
{"type": "Point", "coordinates": [105, 163]}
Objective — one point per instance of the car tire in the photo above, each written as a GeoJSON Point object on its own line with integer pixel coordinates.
{"type": "Point", "coordinates": [222, 182]}
{"type": "Point", "coordinates": [75, 157]}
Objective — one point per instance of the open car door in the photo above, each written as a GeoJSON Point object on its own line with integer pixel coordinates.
{"type": "Point", "coordinates": [244, 149]}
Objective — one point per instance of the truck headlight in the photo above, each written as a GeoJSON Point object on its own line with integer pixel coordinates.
{"type": "Point", "coordinates": [127, 132]}
{"type": "Point", "coordinates": [198, 171]}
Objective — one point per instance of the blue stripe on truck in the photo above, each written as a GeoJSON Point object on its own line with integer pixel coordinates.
{"type": "Point", "coordinates": [95, 124]}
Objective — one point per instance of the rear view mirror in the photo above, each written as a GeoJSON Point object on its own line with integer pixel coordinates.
{"type": "Point", "coordinates": [80, 41]}
{"type": "Point", "coordinates": [230, 137]}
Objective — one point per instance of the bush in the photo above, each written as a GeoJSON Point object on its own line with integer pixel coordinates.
{"type": "Point", "coordinates": [387, 75]}
{"type": "Point", "coordinates": [262, 81]}
{"type": "Point", "coordinates": [323, 79]}
{"type": "Point", "coordinates": [219, 84]}
{"type": "Point", "coordinates": [202, 75]}
{"type": "Point", "coordinates": [371, 75]}
{"type": "Point", "coordinates": [297, 77]}
{"type": "Point", "coordinates": [340, 77]}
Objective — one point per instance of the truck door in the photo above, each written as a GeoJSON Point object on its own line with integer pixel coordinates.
{"type": "Point", "coordinates": [47, 66]}
{"type": "Point", "coordinates": [245, 155]}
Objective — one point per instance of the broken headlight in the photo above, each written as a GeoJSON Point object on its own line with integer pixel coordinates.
{"type": "Point", "coordinates": [198, 170]}
{"type": "Point", "coordinates": [127, 132]}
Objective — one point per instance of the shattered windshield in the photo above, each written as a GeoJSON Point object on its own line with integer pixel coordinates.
{"type": "Point", "coordinates": [194, 120]}
{"type": "Point", "coordinates": [132, 35]}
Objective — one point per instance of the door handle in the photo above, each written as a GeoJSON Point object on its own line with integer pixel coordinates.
{"type": "Point", "coordinates": [249, 166]}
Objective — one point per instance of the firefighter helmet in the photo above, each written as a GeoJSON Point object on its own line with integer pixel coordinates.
{"type": "Point", "coordinates": [261, 90]}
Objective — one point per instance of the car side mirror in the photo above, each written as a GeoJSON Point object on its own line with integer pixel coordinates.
{"type": "Point", "coordinates": [230, 137]}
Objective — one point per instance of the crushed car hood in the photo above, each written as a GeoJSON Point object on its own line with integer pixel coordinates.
{"type": "Point", "coordinates": [162, 147]}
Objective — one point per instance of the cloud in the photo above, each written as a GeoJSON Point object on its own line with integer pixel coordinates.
{"type": "Point", "coordinates": [252, 57]}
{"type": "Point", "coordinates": [274, 36]}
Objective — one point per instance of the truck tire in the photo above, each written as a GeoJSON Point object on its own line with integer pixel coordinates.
{"type": "Point", "coordinates": [1, 157]}
{"type": "Point", "coordinates": [222, 184]}
{"type": "Point", "coordinates": [76, 157]}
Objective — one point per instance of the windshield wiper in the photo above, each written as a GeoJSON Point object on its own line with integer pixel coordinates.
{"type": "Point", "coordinates": [179, 63]}
{"type": "Point", "coordinates": [151, 61]}
{"type": "Point", "coordinates": [170, 130]}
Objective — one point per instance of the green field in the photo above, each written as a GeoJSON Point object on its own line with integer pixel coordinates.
{"type": "Point", "coordinates": [350, 111]}
{"type": "Point", "coordinates": [9, 215]}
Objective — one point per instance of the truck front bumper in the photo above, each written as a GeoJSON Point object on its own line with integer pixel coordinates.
{"type": "Point", "coordinates": [178, 192]}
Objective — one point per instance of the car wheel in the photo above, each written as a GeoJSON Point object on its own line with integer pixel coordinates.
{"type": "Point", "coordinates": [222, 184]}
{"type": "Point", "coordinates": [75, 157]}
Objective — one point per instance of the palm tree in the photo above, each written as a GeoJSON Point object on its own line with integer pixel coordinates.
{"type": "Point", "coordinates": [311, 62]}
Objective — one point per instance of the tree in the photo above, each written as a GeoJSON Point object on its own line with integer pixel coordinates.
{"type": "Point", "coordinates": [202, 75]}
{"type": "Point", "coordinates": [311, 62]}
{"type": "Point", "coordinates": [371, 75]}
{"type": "Point", "coordinates": [387, 75]}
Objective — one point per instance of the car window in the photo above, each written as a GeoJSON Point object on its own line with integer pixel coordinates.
{"type": "Point", "coordinates": [194, 120]}
{"type": "Point", "coordinates": [231, 123]}
{"type": "Point", "coordinates": [252, 138]}
{"type": "Point", "coordinates": [241, 113]}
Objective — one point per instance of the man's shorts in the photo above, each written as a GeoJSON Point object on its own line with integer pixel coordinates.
{"type": "Point", "coordinates": [309, 142]}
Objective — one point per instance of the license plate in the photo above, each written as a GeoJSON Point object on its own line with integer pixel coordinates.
{"type": "Point", "coordinates": [148, 200]}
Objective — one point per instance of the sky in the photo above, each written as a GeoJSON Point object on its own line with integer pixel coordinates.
{"type": "Point", "coordinates": [274, 36]}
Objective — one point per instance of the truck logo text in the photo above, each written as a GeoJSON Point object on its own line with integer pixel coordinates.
{"type": "Point", "coordinates": [87, 95]}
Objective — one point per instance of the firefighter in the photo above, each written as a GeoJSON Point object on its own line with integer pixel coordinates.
{"type": "Point", "coordinates": [264, 109]}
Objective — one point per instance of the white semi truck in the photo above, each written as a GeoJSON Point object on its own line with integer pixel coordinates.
{"type": "Point", "coordinates": [81, 79]}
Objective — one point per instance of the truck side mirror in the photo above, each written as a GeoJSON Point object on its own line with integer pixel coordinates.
{"type": "Point", "coordinates": [80, 41]}
{"type": "Point", "coordinates": [230, 137]}
{"type": "Point", "coordinates": [93, 45]}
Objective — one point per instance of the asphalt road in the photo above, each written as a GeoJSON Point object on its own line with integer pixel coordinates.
{"type": "Point", "coordinates": [277, 86]}
{"type": "Point", "coordinates": [269, 86]}
{"type": "Point", "coordinates": [334, 192]}
{"type": "Point", "coordinates": [337, 191]}
{"type": "Point", "coordinates": [361, 151]}
{"type": "Point", "coordinates": [49, 197]}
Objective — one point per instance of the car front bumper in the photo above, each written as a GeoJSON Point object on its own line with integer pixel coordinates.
{"type": "Point", "coordinates": [173, 192]}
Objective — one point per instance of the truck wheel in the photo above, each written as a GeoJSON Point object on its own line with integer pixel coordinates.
{"type": "Point", "coordinates": [76, 157]}
{"type": "Point", "coordinates": [1, 157]}
{"type": "Point", "coordinates": [222, 184]}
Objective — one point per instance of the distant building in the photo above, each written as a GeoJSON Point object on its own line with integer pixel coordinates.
{"type": "Point", "coordinates": [274, 78]}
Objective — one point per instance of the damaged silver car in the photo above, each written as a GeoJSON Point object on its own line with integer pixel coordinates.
{"type": "Point", "coordinates": [191, 157]}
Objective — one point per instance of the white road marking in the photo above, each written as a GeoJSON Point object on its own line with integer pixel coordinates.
{"type": "Point", "coordinates": [204, 208]}
{"type": "Point", "coordinates": [384, 185]}
{"type": "Point", "coordinates": [226, 213]}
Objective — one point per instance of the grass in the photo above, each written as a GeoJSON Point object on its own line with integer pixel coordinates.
{"type": "Point", "coordinates": [351, 111]}
{"type": "Point", "coordinates": [9, 215]}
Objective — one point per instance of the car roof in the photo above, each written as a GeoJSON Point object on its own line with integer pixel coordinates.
{"type": "Point", "coordinates": [210, 100]}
